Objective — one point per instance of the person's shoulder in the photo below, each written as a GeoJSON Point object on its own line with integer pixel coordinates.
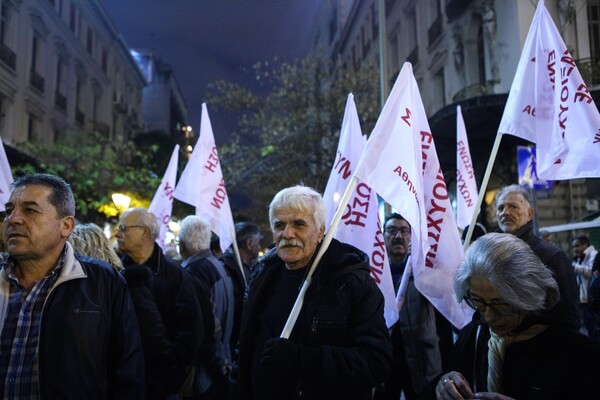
{"type": "Point", "coordinates": [95, 265]}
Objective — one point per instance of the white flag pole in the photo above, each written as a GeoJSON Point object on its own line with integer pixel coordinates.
{"type": "Point", "coordinates": [486, 178]}
{"type": "Point", "coordinates": [403, 284]}
{"type": "Point", "coordinates": [293, 317]}
{"type": "Point", "coordinates": [237, 255]}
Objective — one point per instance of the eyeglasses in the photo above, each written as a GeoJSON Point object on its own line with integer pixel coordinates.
{"type": "Point", "coordinates": [393, 231]}
{"type": "Point", "coordinates": [123, 228]}
{"type": "Point", "coordinates": [497, 307]}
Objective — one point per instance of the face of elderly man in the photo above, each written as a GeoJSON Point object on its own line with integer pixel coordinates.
{"type": "Point", "coordinates": [296, 236]}
{"type": "Point", "coordinates": [513, 212]}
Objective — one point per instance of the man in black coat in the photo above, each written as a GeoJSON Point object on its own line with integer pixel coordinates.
{"type": "Point", "coordinates": [167, 308]}
{"type": "Point", "coordinates": [339, 347]}
{"type": "Point", "coordinates": [515, 215]}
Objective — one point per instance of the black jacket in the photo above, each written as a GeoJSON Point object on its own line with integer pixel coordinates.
{"type": "Point", "coordinates": [342, 316]}
{"type": "Point", "coordinates": [89, 341]}
{"type": "Point", "coordinates": [566, 312]}
{"type": "Point", "coordinates": [170, 321]}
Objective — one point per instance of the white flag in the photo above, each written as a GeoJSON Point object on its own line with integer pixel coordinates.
{"type": "Point", "coordinates": [550, 105]}
{"type": "Point", "coordinates": [360, 225]}
{"type": "Point", "coordinates": [466, 185]}
{"type": "Point", "coordinates": [202, 185]}
{"type": "Point", "coordinates": [6, 177]}
{"type": "Point", "coordinates": [392, 162]}
{"type": "Point", "coordinates": [435, 279]}
{"type": "Point", "coordinates": [162, 202]}
{"type": "Point", "coordinates": [401, 164]}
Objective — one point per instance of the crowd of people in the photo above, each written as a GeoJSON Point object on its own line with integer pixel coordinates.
{"type": "Point", "coordinates": [82, 318]}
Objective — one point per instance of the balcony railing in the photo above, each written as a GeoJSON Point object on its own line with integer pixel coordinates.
{"type": "Point", "coordinates": [61, 101]}
{"type": "Point", "coordinates": [37, 81]}
{"type": "Point", "coordinates": [79, 116]}
{"type": "Point", "coordinates": [589, 68]}
{"type": "Point", "coordinates": [8, 56]}
{"type": "Point", "coordinates": [476, 90]}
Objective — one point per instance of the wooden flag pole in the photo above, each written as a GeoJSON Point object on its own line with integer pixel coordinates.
{"type": "Point", "coordinates": [237, 255]}
{"type": "Point", "coordinates": [293, 317]}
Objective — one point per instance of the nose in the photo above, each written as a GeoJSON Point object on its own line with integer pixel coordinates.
{"type": "Point", "coordinates": [13, 216]}
{"type": "Point", "coordinates": [288, 232]}
{"type": "Point", "coordinates": [118, 234]}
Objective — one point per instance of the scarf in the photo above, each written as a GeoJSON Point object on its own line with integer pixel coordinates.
{"type": "Point", "coordinates": [497, 346]}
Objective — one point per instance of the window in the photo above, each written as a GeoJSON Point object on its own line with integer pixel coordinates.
{"type": "Point", "coordinates": [36, 79]}
{"type": "Point", "coordinates": [481, 55]}
{"type": "Point", "coordinates": [31, 127]}
{"type": "Point", "coordinates": [374, 19]}
{"type": "Point", "coordinates": [594, 29]}
{"type": "Point", "coordinates": [3, 23]}
{"type": "Point", "coordinates": [59, 97]}
{"type": "Point", "coordinates": [90, 40]}
{"type": "Point", "coordinates": [104, 59]}
{"type": "Point", "coordinates": [439, 90]}
{"type": "Point", "coordinates": [73, 17]}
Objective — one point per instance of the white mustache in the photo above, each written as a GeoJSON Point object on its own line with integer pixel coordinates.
{"type": "Point", "coordinates": [291, 243]}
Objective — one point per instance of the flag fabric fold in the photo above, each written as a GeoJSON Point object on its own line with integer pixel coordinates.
{"type": "Point", "coordinates": [466, 185]}
{"type": "Point", "coordinates": [549, 104]}
{"type": "Point", "coordinates": [162, 202]}
{"type": "Point", "coordinates": [202, 185]}
{"type": "Point", "coordinates": [6, 177]}
{"type": "Point", "coordinates": [360, 225]}
{"type": "Point", "coordinates": [401, 164]}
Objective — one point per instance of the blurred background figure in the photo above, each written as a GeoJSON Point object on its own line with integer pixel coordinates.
{"type": "Point", "coordinates": [478, 232]}
{"type": "Point", "coordinates": [89, 240]}
{"type": "Point", "coordinates": [584, 255]}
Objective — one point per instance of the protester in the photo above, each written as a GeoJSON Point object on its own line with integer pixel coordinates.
{"type": "Point", "coordinates": [339, 347]}
{"type": "Point", "coordinates": [583, 260]}
{"type": "Point", "coordinates": [248, 237]}
{"type": "Point", "coordinates": [510, 350]}
{"type": "Point", "coordinates": [89, 240]}
{"type": "Point", "coordinates": [166, 305]}
{"type": "Point", "coordinates": [417, 353]}
{"type": "Point", "coordinates": [515, 215]}
{"type": "Point", "coordinates": [67, 323]}
{"type": "Point", "coordinates": [206, 270]}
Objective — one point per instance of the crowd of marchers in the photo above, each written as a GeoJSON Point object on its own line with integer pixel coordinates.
{"type": "Point", "coordinates": [81, 318]}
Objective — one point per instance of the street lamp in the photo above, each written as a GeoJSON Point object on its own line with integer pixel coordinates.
{"type": "Point", "coordinates": [122, 201]}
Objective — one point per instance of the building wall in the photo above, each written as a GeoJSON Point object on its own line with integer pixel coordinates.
{"type": "Point", "coordinates": [163, 107]}
{"type": "Point", "coordinates": [64, 68]}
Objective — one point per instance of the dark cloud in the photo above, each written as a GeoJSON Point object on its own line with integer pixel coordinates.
{"type": "Point", "coordinates": [208, 40]}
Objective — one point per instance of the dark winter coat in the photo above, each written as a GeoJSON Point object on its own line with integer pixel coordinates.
{"type": "Point", "coordinates": [566, 312]}
{"type": "Point", "coordinates": [170, 320]}
{"type": "Point", "coordinates": [342, 316]}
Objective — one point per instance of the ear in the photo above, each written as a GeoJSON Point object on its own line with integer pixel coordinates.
{"type": "Point", "coordinates": [248, 244]}
{"type": "Point", "coordinates": [67, 226]}
{"type": "Point", "coordinates": [321, 234]}
{"type": "Point", "coordinates": [530, 212]}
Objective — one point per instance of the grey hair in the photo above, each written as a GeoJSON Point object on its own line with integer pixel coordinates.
{"type": "Point", "coordinates": [89, 240]}
{"type": "Point", "coordinates": [513, 269]}
{"type": "Point", "coordinates": [299, 198]}
{"type": "Point", "coordinates": [195, 233]}
{"type": "Point", "coordinates": [145, 218]}
{"type": "Point", "coordinates": [514, 189]}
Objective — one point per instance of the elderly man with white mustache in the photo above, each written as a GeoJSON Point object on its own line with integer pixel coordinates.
{"type": "Point", "coordinates": [339, 347]}
{"type": "Point", "coordinates": [515, 216]}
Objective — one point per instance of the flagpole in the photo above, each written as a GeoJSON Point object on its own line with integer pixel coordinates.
{"type": "Point", "coordinates": [237, 255]}
{"type": "Point", "coordinates": [403, 284]}
{"type": "Point", "coordinates": [486, 178]}
{"type": "Point", "coordinates": [293, 317]}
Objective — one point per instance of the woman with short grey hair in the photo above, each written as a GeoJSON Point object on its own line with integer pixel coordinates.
{"type": "Point", "coordinates": [509, 350]}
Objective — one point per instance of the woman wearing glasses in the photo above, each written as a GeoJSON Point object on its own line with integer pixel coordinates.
{"type": "Point", "coordinates": [510, 351]}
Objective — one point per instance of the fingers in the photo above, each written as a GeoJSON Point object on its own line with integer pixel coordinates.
{"type": "Point", "coordinates": [453, 386]}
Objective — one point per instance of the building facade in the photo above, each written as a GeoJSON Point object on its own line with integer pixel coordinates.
{"type": "Point", "coordinates": [64, 68]}
{"type": "Point", "coordinates": [466, 52]}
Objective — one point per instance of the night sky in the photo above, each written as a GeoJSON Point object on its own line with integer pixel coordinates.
{"type": "Point", "coordinates": [208, 40]}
